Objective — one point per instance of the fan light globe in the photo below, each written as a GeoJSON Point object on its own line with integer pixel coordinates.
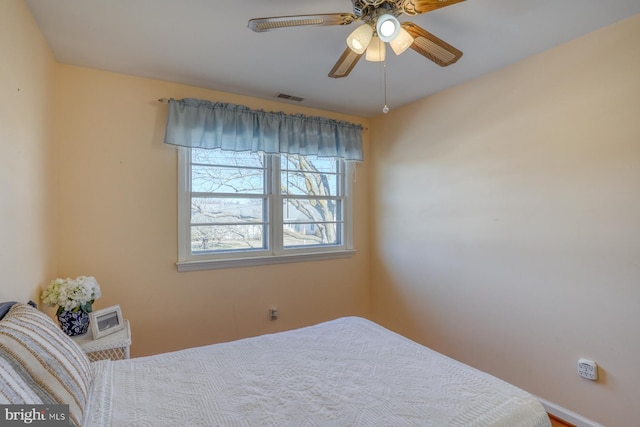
{"type": "Point", "coordinates": [387, 27]}
{"type": "Point", "coordinates": [359, 39]}
{"type": "Point", "coordinates": [376, 50]}
{"type": "Point", "coordinates": [402, 42]}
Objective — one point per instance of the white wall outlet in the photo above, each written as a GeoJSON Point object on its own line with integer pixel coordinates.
{"type": "Point", "coordinates": [588, 369]}
{"type": "Point", "coordinates": [273, 313]}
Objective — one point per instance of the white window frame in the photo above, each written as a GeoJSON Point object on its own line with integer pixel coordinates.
{"type": "Point", "coordinates": [276, 254]}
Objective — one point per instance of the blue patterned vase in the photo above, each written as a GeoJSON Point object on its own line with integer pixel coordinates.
{"type": "Point", "coordinates": [74, 323]}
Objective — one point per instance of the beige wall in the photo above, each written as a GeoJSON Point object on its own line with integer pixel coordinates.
{"type": "Point", "coordinates": [27, 204]}
{"type": "Point", "coordinates": [507, 222]}
{"type": "Point", "coordinates": [118, 222]}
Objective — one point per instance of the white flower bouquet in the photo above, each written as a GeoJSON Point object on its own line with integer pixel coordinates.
{"type": "Point", "coordinates": [72, 294]}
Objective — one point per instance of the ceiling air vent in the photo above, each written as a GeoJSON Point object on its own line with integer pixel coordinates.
{"type": "Point", "coordinates": [289, 97]}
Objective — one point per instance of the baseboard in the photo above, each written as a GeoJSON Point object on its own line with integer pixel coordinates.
{"type": "Point", "coordinates": [567, 415]}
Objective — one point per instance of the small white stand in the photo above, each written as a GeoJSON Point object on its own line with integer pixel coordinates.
{"type": "Point", "coordinates": [114, 346]}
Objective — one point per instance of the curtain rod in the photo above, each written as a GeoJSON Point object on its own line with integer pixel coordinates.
{"type": "Point", "coordinates": [166, 101]}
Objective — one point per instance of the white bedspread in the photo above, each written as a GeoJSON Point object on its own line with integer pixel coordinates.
{"type": "Point", "coordinates": [346, 372]}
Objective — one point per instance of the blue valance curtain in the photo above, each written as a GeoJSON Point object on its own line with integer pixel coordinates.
{"type": "Point", "coordinates": [203, 124]}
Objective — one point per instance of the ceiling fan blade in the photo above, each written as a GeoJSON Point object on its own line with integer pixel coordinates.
{"type": "Point", "coordinates": [345, 64]}
{"type": "Point", "coordinates": [416, 7]}
{"type": "Point", "coordinates": [275, 22]}
{"type": "Point", "coordinates": [430, 46]}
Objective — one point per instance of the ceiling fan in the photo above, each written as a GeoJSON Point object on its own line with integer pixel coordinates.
{"type": "Point", "coordinates": [380, 26]}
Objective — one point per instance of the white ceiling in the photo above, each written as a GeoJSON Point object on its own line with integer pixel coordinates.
{"type": "Point", "coordinates": [206, 43]}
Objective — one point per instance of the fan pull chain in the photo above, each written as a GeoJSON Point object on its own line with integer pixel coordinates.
{"type": "Point", "coordinates": [385, 109]}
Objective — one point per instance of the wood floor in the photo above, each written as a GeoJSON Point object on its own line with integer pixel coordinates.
{"type": "Point", "coordinates": [557, 422]}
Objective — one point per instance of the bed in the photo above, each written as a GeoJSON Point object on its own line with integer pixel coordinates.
{"type": "Point", "coordinates": [345, 372]}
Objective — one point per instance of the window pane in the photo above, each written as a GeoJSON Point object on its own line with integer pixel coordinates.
{"type": "Point", "coordinates": [306, 234]}
{"type": "Point", "coordinates": [207, 210]}
{"type": "Point", "coordinates": [311, 222]}
{"type": "Point", "coordinates": [309, 183]}
{"type": "Point", "coordinates": [311, 210]}
{"type": "Point", "coordinates": [308, 176]}
{"type": "Point", "coordinates": [227, 238]}
{"type": "Point", "coordinates": [228, 158]}
{"type": "Point", "coordinates": [222, 179]}
{"type": "Point", "coordinates": [295, 162]}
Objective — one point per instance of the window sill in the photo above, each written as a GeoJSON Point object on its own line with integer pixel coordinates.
{"type": "Point", "coordinates": [196, 265]}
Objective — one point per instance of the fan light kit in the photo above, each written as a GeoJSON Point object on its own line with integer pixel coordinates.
{"type": "Point", "coordinates": [376, 52]}
{"type": "Point", "coordinates": [402, 41]}
{"type": "Point", "coordinates": [380, 26]}
{"type": "Point", "coordinates": [388, 29]}
{"type": "Point", "coordinates": [359, 39]}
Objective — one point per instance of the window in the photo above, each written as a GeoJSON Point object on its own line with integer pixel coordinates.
{"type": "Point", "coordinates": [242, 208]}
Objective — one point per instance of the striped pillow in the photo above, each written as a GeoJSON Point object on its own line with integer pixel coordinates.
{"type": "Point", "coordinates": [16, 385]}
{"type": "Point", "coordinates": [37, 355]}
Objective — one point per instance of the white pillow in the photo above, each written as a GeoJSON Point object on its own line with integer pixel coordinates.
{"type": "Point", "coordinates": [38, 355]}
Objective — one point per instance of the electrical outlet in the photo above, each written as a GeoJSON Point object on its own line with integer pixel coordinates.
{"type": "Point", "coordinates": [273, 313]}
{"type": "Point", "coordinates": [588, 369]}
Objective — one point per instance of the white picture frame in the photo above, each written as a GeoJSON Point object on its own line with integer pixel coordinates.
{"type": "Point", "coordinates": [106, 321]}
